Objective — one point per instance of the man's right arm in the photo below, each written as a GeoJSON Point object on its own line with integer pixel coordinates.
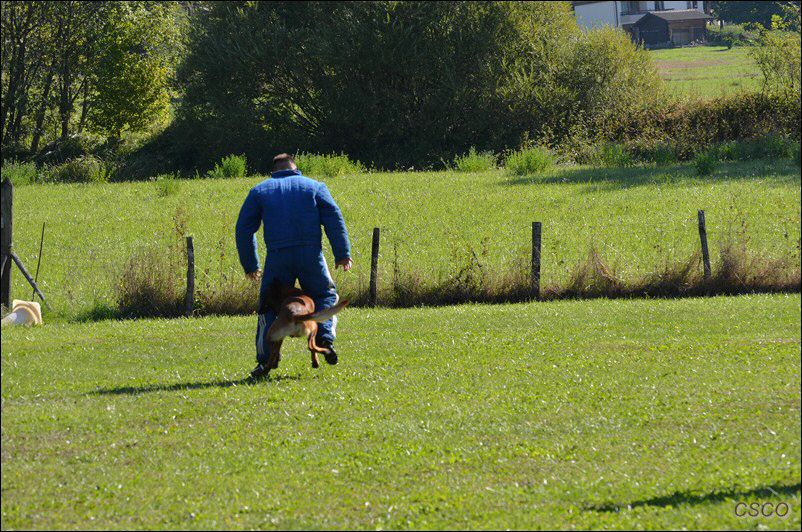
{"type": "Point", "coordinates": [333, 223]}
{"type": "Point", "coordinates": [250, 218]}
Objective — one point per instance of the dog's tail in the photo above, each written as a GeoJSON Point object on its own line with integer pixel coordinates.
{"type": "Point", "coordinates": [323, 315]}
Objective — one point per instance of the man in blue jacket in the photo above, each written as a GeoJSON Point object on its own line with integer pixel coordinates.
{"type": "Point", "coordinates": [292, 208]}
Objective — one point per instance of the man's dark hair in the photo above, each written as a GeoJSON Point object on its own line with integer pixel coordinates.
{"type": "Point", "coordinates": [283, 161]}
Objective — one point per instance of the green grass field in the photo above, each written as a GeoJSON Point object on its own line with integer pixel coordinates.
{"type": "Point", "coordinates": [603, 414]}
{"type": "Point", "coordinates": [707, 71]}
{"type": "Point", "coordinates": [433, 223]}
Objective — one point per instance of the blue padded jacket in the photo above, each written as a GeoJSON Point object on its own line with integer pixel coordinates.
{"type": "Point", "coordinates": [292, 208]}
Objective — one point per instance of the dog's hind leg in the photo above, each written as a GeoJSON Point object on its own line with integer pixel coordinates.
{"type": "Point", "coordinates": [313, 348]}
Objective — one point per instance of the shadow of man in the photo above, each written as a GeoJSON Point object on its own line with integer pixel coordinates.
{"type": "Point", "coordinates": [220, 383]}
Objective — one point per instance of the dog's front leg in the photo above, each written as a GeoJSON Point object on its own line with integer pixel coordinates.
{"type": "Point", "coordinates": [274, 348]}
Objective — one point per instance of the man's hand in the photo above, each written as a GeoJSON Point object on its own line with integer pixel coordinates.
{"type": "Point", "coordinates": [345, 264]}
{"type": "Point", "coordinates": [254, 275]}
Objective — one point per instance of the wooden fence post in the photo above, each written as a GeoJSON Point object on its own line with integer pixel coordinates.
{"type": "Point", "coordinates": [7, 206]}
{"type": "Point", "coordinates": [703, 238]}
{"type": "Point", "coordinates": [190, 297]}
{"type": "Point", "coordinates": [536, 239]}
{"type": "Point", "coordinates": [374, 267]}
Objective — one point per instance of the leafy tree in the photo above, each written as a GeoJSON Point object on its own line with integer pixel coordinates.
{"type": "Point", "coordinates": [24, 33]}
{"type": "Point", "coordinates": [76, 28]}
{"type": "Point", "coordinates": [395, 83]}
{"type": "Point", "coordinates": [134, 66]}
{"type": "Point", "coordinates": [64, 61]}
{"type": "Point", "coordinates": [779, 55]}
{"type": "Point", "coordinates": [737, 12]}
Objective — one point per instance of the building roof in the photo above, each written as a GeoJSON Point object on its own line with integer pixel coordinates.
{"type": "Point", "coordinates": [679, 14]}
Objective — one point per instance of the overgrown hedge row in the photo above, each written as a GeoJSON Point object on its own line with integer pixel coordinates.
{"type": "Point", "coordinates": [741, 126]}
{"type": "Point", "coordinates": [693, 126]}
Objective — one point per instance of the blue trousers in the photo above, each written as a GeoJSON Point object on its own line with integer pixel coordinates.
{"type": "Point", "coordinates": [308, 265]}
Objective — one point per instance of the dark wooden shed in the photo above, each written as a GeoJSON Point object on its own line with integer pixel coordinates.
{"type": "Point", "coordinates": [676, 26]}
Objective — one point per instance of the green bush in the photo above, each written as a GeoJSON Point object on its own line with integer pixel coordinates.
{"type": "Point", "coordinates": [317, 165]}
{"type": "Point", "coordinates": [229, 167]}
{"type": "Point", "coordinates": [767, 147]}
{"type": "Point", "coordinates": [705, 163]}
{"type": "Point", "coordinates": [728, 151]}
{"type": "Point", "coordinates": [731, 35]}
{"type": "Point", "coordinates": [528, 161]}
{"type": "Point", "coordinates": [22, 173]}
{"type": "Point", "coordinates": [614, 155]}
{"type": "Point", "coordinates": [611, 80]}
{"type": "Point", "coordinates": [770, 146]}
{"type": "Point", "coordinates": [83, 169]}
{"type": "Point", "coordinates": [690, 124]}
{"type": "Point", "coordinates": [474, 161]}
{"type": "Point", "coordinates": [60, 151]}
{"type": "Point", "coordinates": [658, 153]}
{"type": "Point", "coordinates": [779, 58]}
{"type": "Point", "coordinates": [167, 185]}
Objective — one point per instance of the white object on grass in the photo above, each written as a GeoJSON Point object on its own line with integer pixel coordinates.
{"type": "Point", "coordinates": [24, 313]}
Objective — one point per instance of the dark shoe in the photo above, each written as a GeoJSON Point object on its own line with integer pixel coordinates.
{"type": "Point", "coordinates": [330, 354]}
{"type": "Point", "coordinates": [260, 371]}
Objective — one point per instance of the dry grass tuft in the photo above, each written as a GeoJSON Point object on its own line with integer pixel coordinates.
{"type": "Point", "coordinates": [153, 284]}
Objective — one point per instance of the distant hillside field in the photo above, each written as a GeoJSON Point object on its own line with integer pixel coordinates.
{"type": "Point", "coordinates": [433, 224]}
{"type": "Point", "coordinates": [707, 71]}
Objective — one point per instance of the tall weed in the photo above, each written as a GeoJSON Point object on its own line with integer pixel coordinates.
{"type": "Point", "coordinates": [232, 166]}
{"type": "Point", "coordinates": [153, 282]}
{"type": "Point", "coordinates": [321, 165]}
{"type": "Point", "coordinates": [705, 163]}
{"type": "Point", "coordinates": [474, 161]}
{"type": "Point", "coordinates": [529, 161]}
{"type": "Point", "coordinates": [614, 155]}
{"type": "Point", "coordinates": [167, 185]}
{"type": "Point", "coordinates": [22, 173]}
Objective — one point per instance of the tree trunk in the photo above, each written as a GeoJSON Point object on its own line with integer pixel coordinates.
{"type": "Point", "coordinates": [65, 102]}
{"type": "Point", "coordinates": [22, 108]}
{"type": "Point", "coordinates": [8, 97]}
{"type": "Point", "coordinates": [64, 106]}
{"type": "Point", "coordinates": [84, 106]}
{"type": "Point", "coordinates": [40, 114]}
{"type": "Point", "coordinates": [10, 101]}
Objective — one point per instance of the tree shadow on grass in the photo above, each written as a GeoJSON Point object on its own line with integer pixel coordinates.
{"type": "Point", "coordinates": [678, 498]}
{"type": "Point", "coordinates": [777, 171]}
{"type": "Point", "coordinates": [221, 383]}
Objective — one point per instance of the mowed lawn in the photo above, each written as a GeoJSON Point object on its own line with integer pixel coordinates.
{"type": "Point", "coordinates": [603, 414]}
{"type": "Point", "coordinates": [707, 71]}
{"type": "Point", "coordinates": [433, 224]}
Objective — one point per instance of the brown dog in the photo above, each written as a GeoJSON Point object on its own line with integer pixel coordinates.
{"type": "Point", "coordinates": [295, 317]}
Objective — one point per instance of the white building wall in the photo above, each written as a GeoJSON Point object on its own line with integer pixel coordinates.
{"type": "Point", "coordinates": [683, 5]}
{"type": "Point", "coordinates": [599, 14]}
{"type": "Point", "coordinates": [596, 14]}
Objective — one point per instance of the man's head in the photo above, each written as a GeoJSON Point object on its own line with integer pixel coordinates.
{"type": "Point", "coordinates": [283, 161]}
